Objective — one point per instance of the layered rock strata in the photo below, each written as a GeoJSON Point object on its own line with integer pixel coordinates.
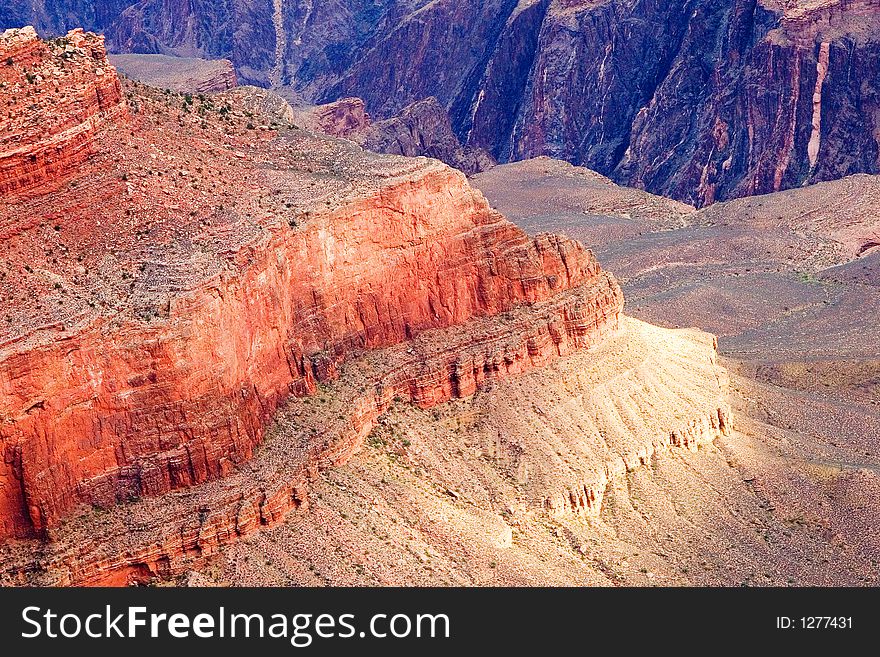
{"type": "Point", "coordinates": [164, 537]}
{"type": "Point", "coordinates": [171, 326]}
{"type": "Point", "coordinates": [697, 100]}
{"type": "Point", "coordinates": [45, 134]}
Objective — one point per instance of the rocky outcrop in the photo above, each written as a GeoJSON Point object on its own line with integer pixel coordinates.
{"type": "Point", "coordinates": [420, 129]}
{"type": "Point", "coordinates": [423, 128]}
{"type": "Point", "coordinates": [183, 74]}
{"type": "Point", "coordinates": [46, 135]}
{"type": "Point", "coordinates": [346, 118]}
{"type": "Point", "coordinates": [154, 422]}
{"type": "Point", "coordinates": [161, 536]}
{"type": "Point", "coordinates": [234, 309]}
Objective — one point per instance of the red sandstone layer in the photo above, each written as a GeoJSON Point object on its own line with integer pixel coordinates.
{"type": "Point", "coordinates": [100, 419]}
{"type": "Point", "coordinates": [162, 536]}
{"type": "Point", "coordinates": [60, 96]}
{"type": "Point", "coordinates": [221, 312]}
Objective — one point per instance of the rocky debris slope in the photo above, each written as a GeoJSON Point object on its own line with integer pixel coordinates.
{"type": "Point", "coordinates": [444, 497]}
{"type": "Point", "coordinates": [156, 315]}
{"type": "Point", "coordinates": [789, 282]}
{"type": "Point", "coordinates": [581, 203]}
{"type": "Point", "coordinates": [44, 133]}
{"type": "Point", "coordinates": [183, 74]}
{"type": "Point", "coordinates": [554, 442]}
{"type": "Point", "coordinates": [843, 212]}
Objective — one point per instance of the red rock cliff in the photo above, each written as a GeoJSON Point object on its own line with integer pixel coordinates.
{"type": "Point", "coordinates": [117, 402]}
{"type": "Point", "coordinates": [44, 134]}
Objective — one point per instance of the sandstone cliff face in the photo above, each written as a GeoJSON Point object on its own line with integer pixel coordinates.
{"type": "Point", "coordinates": [159, 536]}
{"type": "Point", "coordinates": [554, 438]}
{"type": "Point", "coordinates": [231, 310]}
{"type": "Point", "coordinates": [43, 136]}
{"type": "Point", "coordinates": [163, 407]}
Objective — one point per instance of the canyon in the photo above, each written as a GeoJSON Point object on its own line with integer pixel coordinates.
{"type": "Point", "coordinates": [786, 494]}
{"type": "Point", "coordinates": [509, 487]}
{"type": "Point", "coordinates": [695, 100]}
{"type": "Point", "coordinates": [179, 351]}
{"type": "Point", "coordinates": [237, 347]}
{"type": "Point", "coordinates": [211, 335]}
{"type": "Point", "coordinates": [152, 332]}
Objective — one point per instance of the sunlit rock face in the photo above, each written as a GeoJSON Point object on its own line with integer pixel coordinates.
{"type": "Point", "coordinates": [173, 274]}
{"type": "Point", "coordinates": [44, 135]}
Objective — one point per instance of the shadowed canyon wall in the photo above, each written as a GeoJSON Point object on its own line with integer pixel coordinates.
{"type": "Point", "coordinates": [696, 100]}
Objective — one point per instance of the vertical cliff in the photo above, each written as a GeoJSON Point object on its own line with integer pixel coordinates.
{"type": "Point", "coordinates": [786, 100]}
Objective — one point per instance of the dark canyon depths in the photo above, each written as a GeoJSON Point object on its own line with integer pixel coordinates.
{"type": "Point", "coordinates": [694, 99]}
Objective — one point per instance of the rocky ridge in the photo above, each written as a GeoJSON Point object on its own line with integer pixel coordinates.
{"type": "Point", "coordinates": [43, 135]}
{"type": "Point", "coordinates": [182, 359]}
{"type": "Point", "coordinates": [183, 74]}
{"type": "Point", "coordinates": [151, 340]}
{"type": "Point", "coordinates": [420, 129]}
{"type": "Point", "coordinates": [168, 536]}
